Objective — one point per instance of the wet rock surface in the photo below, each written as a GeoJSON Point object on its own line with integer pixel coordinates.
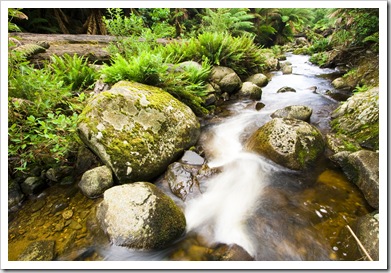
{"type": "Point", "coordinates": [140, 216]}
{"type": "Point", "coordinates": [94, 182]}
{"type": "Point", "coordinates": [368, 233]}
{"type": "Point", "coordinates": [38, 251]}
{"type": "Point", "coordinates": [290, 142]}
{"type": "Point", "coordinates": [301, 112]}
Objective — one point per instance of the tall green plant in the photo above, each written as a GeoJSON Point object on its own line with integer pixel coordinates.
{"type": "Point", "coordinates": [236, 21]}
{"type": "Point", "coordinates": [73, 71]}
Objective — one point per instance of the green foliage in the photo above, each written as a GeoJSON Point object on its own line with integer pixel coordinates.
{"type": "Point", "coordinates": [42, 110]}
{"type": "Point", "coordinates": [319, 58]}
{"type": "Point", "coordinates": [120, 25]}
{"type": "Point", "coordinates": [73, 71]}
{"type": "Point", "coordinates": [355, 27]}
{"type": "Point", "coordinates": [12, 14]}
{"type": "Point", "coordinates": [361, 88]}
{"type": "Point", "coordinates": [239, 53]}
{"type": "Point", "coordinates": [235, 21]}
{"type": "Point", "coordinates": [146, 68]}
{"type": "Point", "coordinates": [41, 140]}
{"type": "Point", "coordinates": [319, 45]}
{"type": "Point", "coordinates": [37, 85]}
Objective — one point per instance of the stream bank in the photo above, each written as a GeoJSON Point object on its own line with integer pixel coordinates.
{"type": "Point", "coordinates": [294, 207]}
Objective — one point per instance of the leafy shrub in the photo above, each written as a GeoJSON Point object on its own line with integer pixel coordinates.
{"type": "Point", "coordinates": [73, 71]}
{"type": "Point", "coordinates": [145, 68]}
{"type": "Point", "coordinates": [41, 140]}
{"type": "Point", "coordinates": [319, 58]}
{"type": "Point", "coordinates": [43, 111]}
{"type": "Point", "coordinates": [239, 53]}
{"type": "Point", "coordinates": [120, 25]}
{"type": "Point", "coordinates": [236, 21]}
{"type": "Point", "coordinates": [319, 45]}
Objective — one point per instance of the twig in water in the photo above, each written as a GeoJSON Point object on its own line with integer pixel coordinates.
{"type": "Point", "coordinates": [357, 240]}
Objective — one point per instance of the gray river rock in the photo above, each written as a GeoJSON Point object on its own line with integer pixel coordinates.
{"type": "Point", "coordinates": [137, 130]}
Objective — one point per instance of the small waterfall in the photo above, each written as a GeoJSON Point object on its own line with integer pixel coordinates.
{"type": "Point", "coordinates": [220, 213]}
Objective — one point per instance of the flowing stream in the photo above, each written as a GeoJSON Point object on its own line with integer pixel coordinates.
{"type": "Point", "coordinates": [271, 212]}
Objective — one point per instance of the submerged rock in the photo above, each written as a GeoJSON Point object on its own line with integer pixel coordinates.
{"type": "Point", "coordinates": [38, 251]}
{"type": "Point", "coordinates": [137, 130]}
{"type": "Point", "coordinates": [182, 180]}
{"type": "Point", "coordinates": [140, 216]}
{"type": "Point", "coordinates": [294, 111]}
{"type": "Point", "coordinates": [286, 89]}
{"type": "Point", "coordinates": [232, 252]}
{"type": "Point", "coordinates": [289, 142]}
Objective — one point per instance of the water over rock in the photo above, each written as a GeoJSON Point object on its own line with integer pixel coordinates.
{"type": "Point", "coordinates": [182, 180]}
{"type": "Point", "coordinates": [289, 142]}
{"type": "Point", "coordinates": [294, 111]}
{"type": "Point", "coordinates": [38, 251]}
{"type": "Point", "coordinates": [286, 89]}
{"type": "Point", "coordinates": [140, 216]}
{"type": "Point", "coordinates": [137, 130]}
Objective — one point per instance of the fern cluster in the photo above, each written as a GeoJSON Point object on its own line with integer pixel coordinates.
{"type": "Point", "coordinates": [43, 109]}
{"type": "Point", "coordinates": [239, 53]}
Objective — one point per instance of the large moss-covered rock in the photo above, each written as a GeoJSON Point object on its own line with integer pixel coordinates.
{"type": "Point", "coordinates": [289, 142]}
{"type": "Point", "coordinates": [137, 130]}
{"type": "Point", "coordinates": [358, 118]}
{"type": "Point", "coordinates": [140, 216]}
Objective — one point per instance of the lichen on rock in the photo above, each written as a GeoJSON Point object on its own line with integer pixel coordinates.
{"type": "Point", "coordinates": [140, 216]}
{"type": "Point", "coordinates": [289, 142]}
{"type": "Point", "coordinates": [137, 130]}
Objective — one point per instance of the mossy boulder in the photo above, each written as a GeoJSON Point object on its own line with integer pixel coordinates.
{"type": "Point", "coordinates": [251, 91]}
{"type": "Point", "coordinates": [259, 79]}
{"type": "Point", "coordinates": [94, 182]}
{"type": "Point", "coordinates": [226, 78]}
{"type": "Point", "coordinates": [140, 216]}
{"type": "Point", "coordinates": [301, 112]}
{"type": "Point", "coordinates": [289, 142]}
{"type": "Point", "coordinates": [137, 130]}
{"type": "Point", "coordinates": [358, 118]}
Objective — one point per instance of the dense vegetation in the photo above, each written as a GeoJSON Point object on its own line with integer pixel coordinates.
{"type": "Point", "coordinates": [44, 103]}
